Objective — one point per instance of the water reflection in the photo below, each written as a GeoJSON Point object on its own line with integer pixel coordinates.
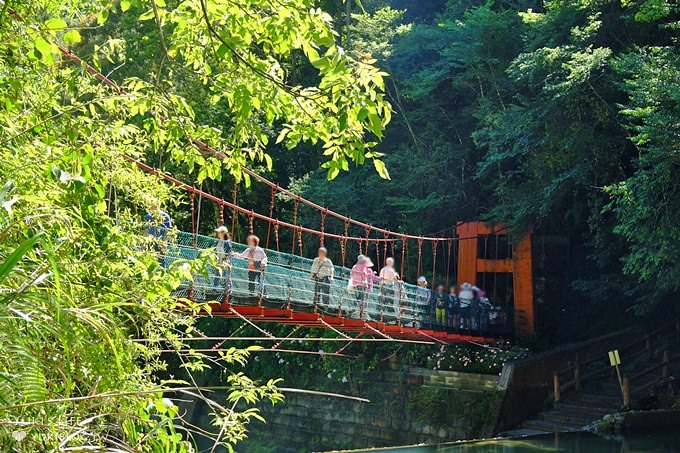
{"type": "Point", "coordinates": [565, 443]}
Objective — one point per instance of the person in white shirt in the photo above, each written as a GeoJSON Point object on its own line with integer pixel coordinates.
{"type": "Point", "coordinates": [257, 263]}
{"type": "Point", "coordinates": [388, 281]}
{"type": "Point", "coordinates": [322, 273]}
{"type": "Point", "coordinates": [465, 297]}
{"type": "Point", "coordinates": [223, 251]}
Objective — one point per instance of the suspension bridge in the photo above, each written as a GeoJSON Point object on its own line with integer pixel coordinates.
{"type": "Point", "coordinates": [468, 252]}
{"type": "Point", "coordinates": [289, 295]}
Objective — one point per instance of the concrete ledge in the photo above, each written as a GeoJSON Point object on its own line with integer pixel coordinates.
{"type": "Point", "coordinates": [650, 420]}
{"type": "Point", "coordinates": [473, 382]}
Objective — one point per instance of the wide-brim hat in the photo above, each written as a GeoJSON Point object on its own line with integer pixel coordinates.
{"type": "Point", "coordinates": [222, 229]}
{"type": "Point", "coordinates": [422, 279]}
{"type": "Point", "coordinates": [369, 263]}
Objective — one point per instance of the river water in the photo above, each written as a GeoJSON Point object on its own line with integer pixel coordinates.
{"type": "Point", "coordinates": [667, 442]}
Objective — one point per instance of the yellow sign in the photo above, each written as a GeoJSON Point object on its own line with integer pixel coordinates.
{"type": "Point", "coordinates": [614, 358]}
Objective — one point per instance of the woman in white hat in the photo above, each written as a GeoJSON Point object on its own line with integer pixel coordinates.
{"type": "Point", "coordinates": [223, 250]}
{"type": "Point", "coordinates": [358, 281]}
{"type": "Point", "coordinates": [423, 298]}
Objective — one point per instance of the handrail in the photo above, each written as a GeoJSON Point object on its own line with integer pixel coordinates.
{"type": "Point", "coordinates": [578, 378]}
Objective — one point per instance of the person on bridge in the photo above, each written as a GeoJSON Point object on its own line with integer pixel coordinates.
{"type": "Point", "coordinates": [322, 273]}
{"type": "Point", "coordinates": [452, 306]}
{"type": "Point", "coordinates": [423, 298]}
{"type": "Point", "coordinates": [360, 281]}
{"type": "Point", "coordinates": [440, 300]}
{"type": "Point", "coordinates": [158, 223]}
{"type": "Point", "coordinates": [388, 282]}
{"type": "Point", "coordinates": [465, 297]}
{"type": "Point", "coordinates": [223, 251]}
{"type": "Point", "coordinates": [257, 263]}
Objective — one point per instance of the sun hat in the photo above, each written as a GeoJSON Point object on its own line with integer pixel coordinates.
{"type": "Point", "coordinates": [221, 229]}
{"type": "Point", "coordinates": [422, 279]}
{"type": "Point", "coordinates": [361, 259]}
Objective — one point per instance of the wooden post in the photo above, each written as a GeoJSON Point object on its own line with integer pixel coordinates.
{"type": "Point", "coordinates": [577, 375]}
{"type": "Point", "coordinates": [664, 367]}
{"type": "Point", "coordinates": [556, 389]}
{"type": "Point", "coordinates": [625, 389]}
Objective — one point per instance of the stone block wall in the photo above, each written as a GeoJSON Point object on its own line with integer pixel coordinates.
{"type": "Point", "coordinates": [418, 406]}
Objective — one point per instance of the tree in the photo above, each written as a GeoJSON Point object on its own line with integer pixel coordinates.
{"type": "Point", "coordinates": [645, 203]}
{"type": "Point", "coordinates": [79, 283]}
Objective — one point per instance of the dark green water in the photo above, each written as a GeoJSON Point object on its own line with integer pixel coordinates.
{"type": "Point", "coordinates": [564, 443]}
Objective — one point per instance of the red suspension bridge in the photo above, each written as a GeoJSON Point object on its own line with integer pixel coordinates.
{"type": "Point", "coordinates": [468, 252]}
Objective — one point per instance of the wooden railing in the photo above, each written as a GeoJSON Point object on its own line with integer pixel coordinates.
{"type": "Point", "coordinates": [572, 377]}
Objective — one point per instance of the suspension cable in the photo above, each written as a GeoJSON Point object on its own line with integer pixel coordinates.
{"type": "Point", "coordinates": [271, 214]}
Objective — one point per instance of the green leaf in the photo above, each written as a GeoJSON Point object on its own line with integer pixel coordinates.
{"type": "Point", "coordinates": [124, 5]}
{"type": "Point", "coordinates": [103, 16]}
{"type": "Point", "coordinates": [15, 257]}
{"type": "Point", "coordinates": [376, 124]}
{"type": "Point", "coordinates": [342, 121]}
{"type": "Point", "coordinates": [55, 24]}
{"type": "Point", "coordinates": [44, 49]}
{"type": "Point", "coordinates": [282, 135]}
{"type": "Point", "coordinates": [72, 37]}
{"type": "Point", "coordinates": [147, 15]}
{"type": "Point", "coordinates": [381, 169]}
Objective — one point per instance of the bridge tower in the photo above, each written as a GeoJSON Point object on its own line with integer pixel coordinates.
{"type": "Point", "coordinates": [487, 256]}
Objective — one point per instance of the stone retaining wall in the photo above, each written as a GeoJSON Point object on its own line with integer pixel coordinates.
{"type": "Point", "coordinates": [461, 406]}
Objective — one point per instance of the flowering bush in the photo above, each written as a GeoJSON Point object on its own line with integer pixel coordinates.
{"type": "Point", "coordinates": [472, 358]}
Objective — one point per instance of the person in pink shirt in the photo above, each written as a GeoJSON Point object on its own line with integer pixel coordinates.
{"type": "Point", "coordinates": [361, 279]}
{"type": "Point", "coordinates": [371, 275]}
{"type": "Point", "coordinates": [358, 281]}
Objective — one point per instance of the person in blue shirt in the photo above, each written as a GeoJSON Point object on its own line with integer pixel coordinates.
{"type": "Point", "coordinates": [158, 223]}
{"type": "Point", "coordinates": [452, 305]}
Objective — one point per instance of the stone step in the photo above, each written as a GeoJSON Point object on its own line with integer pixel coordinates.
{"type": "Point", "coordinates": [587, 410]}
{"type": "Point", "coordinates": [565, 418]}
{"type": "Point", "coordinates": [550, 427]}
{"type": "Point", "coordinates": [597, 399]}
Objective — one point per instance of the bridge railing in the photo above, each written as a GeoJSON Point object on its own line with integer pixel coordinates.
{"type": "Point", "coordinates": [287, 282]}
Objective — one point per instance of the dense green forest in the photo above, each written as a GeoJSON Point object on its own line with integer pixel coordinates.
{"type": "Point", "coordinates": [561, 116]}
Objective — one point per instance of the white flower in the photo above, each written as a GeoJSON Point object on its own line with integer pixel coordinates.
{"type": "Point", "coordinates": [345, 380]}
{"type": "Point", "coordinates": [281, 361]}
{"type": "Point", "coordinates": [329, 375]}
{"type": "Point", "coordinates": [18, 435]}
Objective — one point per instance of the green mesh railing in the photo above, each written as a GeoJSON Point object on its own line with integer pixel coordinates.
{"type": "Point", "coordinates": [287, 281]}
